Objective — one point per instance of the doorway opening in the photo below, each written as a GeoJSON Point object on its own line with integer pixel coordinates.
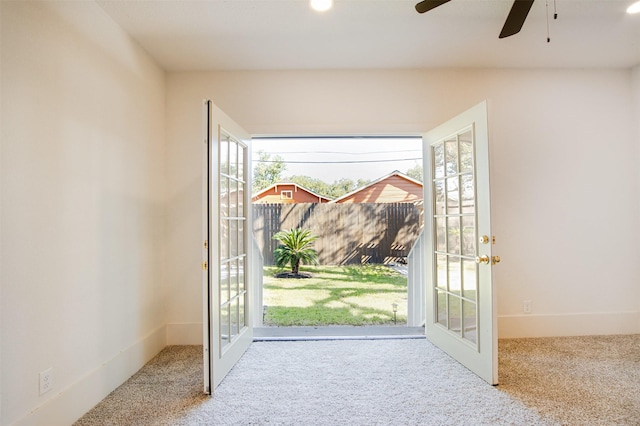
{"type": "Point", "coordinates": [361, 200]}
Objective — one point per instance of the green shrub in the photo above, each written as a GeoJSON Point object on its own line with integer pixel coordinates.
{"type": "Point", "coordinates": [296, 248]}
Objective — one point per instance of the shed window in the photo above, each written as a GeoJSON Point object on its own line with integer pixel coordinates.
{"type": "Point", "coordinates": [286, 195]}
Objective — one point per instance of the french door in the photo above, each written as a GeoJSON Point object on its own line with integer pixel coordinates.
{"type": "Point", "coordinates": [226, 227]}
{"type": "Point", "coordinates": [461, 301]}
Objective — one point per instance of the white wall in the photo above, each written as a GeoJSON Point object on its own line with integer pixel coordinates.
{"type": "Point", "coordinates": [565, 184]}
{"type": "Point", "coordinates": [636, 119]}
{"type": "Point", "coordinates": [82, 208]}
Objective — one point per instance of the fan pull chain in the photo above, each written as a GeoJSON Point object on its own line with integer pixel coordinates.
{"type": "Point", "coordinates": [547, 10]}
{"type": "Point", "coordinates": [555, 16]}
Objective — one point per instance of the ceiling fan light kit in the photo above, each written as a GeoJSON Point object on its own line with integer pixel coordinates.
{"type": "Point", "coordinates": [321, 5]}
{"type": "Point", "coordinates": [634, 8]}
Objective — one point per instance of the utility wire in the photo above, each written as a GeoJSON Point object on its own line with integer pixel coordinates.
{"type": "Point", "coordinates": [340, 152]}
{"type": "Point", "coordinates": [337, 162]}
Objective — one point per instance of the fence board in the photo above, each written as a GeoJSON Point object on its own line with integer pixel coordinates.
{"type": "Point", "coordinates": [348, 233]}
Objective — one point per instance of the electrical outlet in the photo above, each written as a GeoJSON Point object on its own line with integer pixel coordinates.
{"type": "Point", "coordinates": [526, 306]}
{"type": "Point", "coordinates": [46, 380]}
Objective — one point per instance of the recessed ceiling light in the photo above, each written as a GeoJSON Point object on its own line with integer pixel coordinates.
{"type": "Point", "coordinates": [321, 5]}
{"type": "Point", "coordinates": [634, 8]}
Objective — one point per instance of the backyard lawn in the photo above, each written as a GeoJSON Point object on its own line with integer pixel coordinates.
{"type": "Point", "coordinates": [335, 295]}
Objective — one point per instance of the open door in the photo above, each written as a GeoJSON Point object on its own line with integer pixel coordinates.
{"type": "Point", "coordinates": [461, 301]}
{"type": "Point", "coordinates": [226, 245]}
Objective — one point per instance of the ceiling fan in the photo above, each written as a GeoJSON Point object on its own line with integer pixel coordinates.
{"type": "Point", "coordinates": [513, 24]}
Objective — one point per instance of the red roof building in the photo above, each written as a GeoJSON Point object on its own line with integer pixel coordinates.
{"type": "Point", "coordinates": [287, 193]}
{"type": "Point", "coordinates": [395, 187]}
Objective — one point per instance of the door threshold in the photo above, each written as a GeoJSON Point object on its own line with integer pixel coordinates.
{"type": "Point", "coordinates": [338, 332]}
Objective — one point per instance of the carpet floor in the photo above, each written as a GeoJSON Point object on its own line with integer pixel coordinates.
{"type": "Point", "coordinates": [569, 381]}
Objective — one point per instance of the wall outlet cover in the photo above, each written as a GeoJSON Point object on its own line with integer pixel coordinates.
{"type": "Point", "coordinates": [46, 380]}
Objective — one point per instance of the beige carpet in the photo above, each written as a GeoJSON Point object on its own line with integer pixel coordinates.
{"type": "Point", "coordinates": [575, 380]}
{"type": "Point", "coordinates": [572, 381]}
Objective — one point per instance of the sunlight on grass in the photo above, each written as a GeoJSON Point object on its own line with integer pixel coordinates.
{"type": "Point", "coordinates": [336, 295]}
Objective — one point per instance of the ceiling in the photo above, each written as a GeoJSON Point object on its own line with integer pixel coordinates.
{"type": "Point", "coordinates": [190, 35]}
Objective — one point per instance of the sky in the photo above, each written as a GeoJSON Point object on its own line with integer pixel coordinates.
{"type": "Point", "coordinates": [331, 159]}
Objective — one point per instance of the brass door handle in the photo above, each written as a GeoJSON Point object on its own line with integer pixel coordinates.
{"type": "Point", "coordinates": [495, 260]}
{"type": "Point", "coordinates": [482, 259]}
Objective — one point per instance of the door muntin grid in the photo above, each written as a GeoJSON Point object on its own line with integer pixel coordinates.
{"type": "Point", "coordinates": [455, 274]}
{"type": "Point", "coordinates": [232, 248]}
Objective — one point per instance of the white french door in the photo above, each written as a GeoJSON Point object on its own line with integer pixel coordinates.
{"type": "Point", "coordinates": [461, 301]}
{"type": "Point", "coordinates": [226, 248]}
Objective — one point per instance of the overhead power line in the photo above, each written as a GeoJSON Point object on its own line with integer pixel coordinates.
{"type": "Point", "coordinates": [337, 162]}
{"type": "Point", "coordinates": [340, 152]}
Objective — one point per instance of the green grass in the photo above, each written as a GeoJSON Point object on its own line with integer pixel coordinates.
{"type": "Point", "coordinates": [335, 295]}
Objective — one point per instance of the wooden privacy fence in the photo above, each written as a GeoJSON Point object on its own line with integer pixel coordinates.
{"type": "Point", "coordinates": [348, 233]}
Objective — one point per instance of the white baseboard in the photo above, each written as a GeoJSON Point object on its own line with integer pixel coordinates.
{"type": "Point", "coordinates": [184, 333]}
{"type": "Point", "coordinates": [75, 400]}
{"type": "Point", "coordinates": [585, 324]}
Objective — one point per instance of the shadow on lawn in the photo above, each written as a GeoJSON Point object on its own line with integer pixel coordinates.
{"type": "Point", "coordinates": [335, 295]}
{"type": "Point", "coordinates": [321, 312]}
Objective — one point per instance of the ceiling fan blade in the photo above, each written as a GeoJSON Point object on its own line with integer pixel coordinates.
{"type": "Point", "coordinates": [427, 5]}
{"type": "Point", "coordinates": [516, 18]}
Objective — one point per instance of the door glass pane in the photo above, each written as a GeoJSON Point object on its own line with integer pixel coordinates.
{"type": "Point", "coordinates": [233, 198]}
{"type": "Point", "coordinates": [233, 159]}
{"type": "Point", "coordinates": [468, 193]}
{"type": "Point", "coordinates": [224, 155]}
{"type": "Point", "coordinates": [232, 247]}
{"type": "Point", "coordinates": [225, 277]}
{"type": "Point", "coordinates": [469, 279]}
{"type": "Point", "coordinates": [453, 235]}
{"type": "Point", "coordinates": [234, 318]}
{"type": "Point", "coordinates": [455, 284]}
{"type": "Point", "coordinates": [468, 235]}
{"type": "Point", "coordinates": [242, 313]}
{"type": "Point", "coordinates": [233, 238]}
{"type": "Point", "coordinates": [466, 151]}
{"type": "Point", "coordinates": [453, 196]}
{"type": "Point", "coordinates": [441, 272]}
{"type": "Point", "coordinates": [438, 160]}
{"type": "Point", "coordinates": [451, 155]}
{"type": "Point", "coordinates": [236, 268]}
{"type": "Point", "coordinates": [241, 152]}
{"type": "Point", "coordinates": [441, 230]}
{"type": "Point", "coordinates": [241, 237]}
{"type": "Point", "coordinates": [241, 273]}
{"type": "Point", "coordinates": [224, 325]}
{"type": "Point", "coordinates": [233, 279]}
{"type": "Point", "coordinates": [454, 314]}
{"type": "Point", "coordinates": [224, 196]}
{"type": "Point", "coordinates": [470, 322]}
{"type": "Point", "coordinates": [224, 239]}
{"type": "Point", "coordinates": [456, 272]}
{"type": "Point", "coordinates": [240, 211]}
{"type": "Point", "coordinates": [441, 309]}
{"type": "Point", "coordinates": [440, 198]}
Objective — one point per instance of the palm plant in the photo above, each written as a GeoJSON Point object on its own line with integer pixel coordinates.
{"type": "Point", "coordinates": [296, 248]}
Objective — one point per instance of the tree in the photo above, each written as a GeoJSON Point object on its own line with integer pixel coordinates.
{"type": "Point", "coordinates": [295, 249]}
{"type": "Point", "coordinates": [313, 184]}
{"type": "Point", "coordinates": [415, 172]}
{"type": "Point", "coordinates": [268, 170]}
{"type": "Point", "coordinates": [331, 190]}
